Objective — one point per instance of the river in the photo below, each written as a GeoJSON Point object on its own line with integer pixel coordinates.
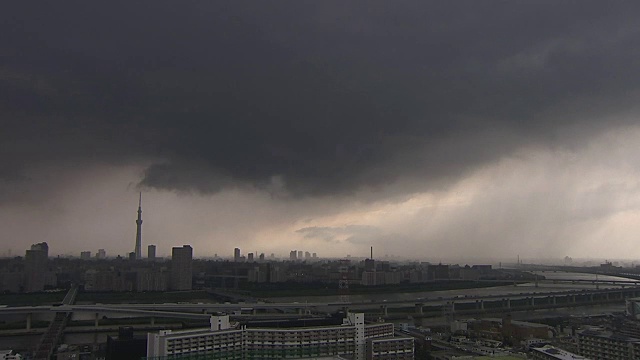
{"type": "Point", "coordinates": [488, 291]}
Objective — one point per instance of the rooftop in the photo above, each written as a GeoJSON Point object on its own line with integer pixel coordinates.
{"type": "Point", "coordinates": [558, 353]}
{"type": "Point", "coordinates": [608, 335]}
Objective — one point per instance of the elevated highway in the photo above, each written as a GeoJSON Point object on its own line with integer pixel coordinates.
{"type": "Point", "coordinates": [418, 306]}
{"type": "Point", "coordinates": [622, 282]}
{"type": "Point", "coordinates": [608, 271]}
{"type": "Point", "coordinates": [53, 334]}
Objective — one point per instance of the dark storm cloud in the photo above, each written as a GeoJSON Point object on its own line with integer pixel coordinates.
{"type": "Point", "coordinates": [311, 98]}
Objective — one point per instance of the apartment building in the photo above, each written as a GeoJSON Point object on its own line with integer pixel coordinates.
{"type": "Point", "coordinates": [398, 348]}
{"type": "Point", "coordinates": [223, 341]}
{"type": "Point", "coordinates": [607, 346]}
{"type": "Point", "coordinates": [352, 339]}
{"type": "Point", "coordinates": [300, 342]}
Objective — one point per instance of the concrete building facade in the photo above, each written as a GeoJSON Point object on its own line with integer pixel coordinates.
{"type": "Point", "coordinates": [151, 252]}
{"type": "Point", "coordinates": [397, 348]}
{"type": "Point", "coordinates": [181, 268]}
{"type": "Point", "coordinates": [36, 267]}
{"type": "Point", "coordinates": [353, 338]}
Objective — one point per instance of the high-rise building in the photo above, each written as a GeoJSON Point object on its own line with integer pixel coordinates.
{"type": "Point", "coordinates": [138, 249]}
{"type": "Point", "coordinates": [101, 254]}
{"type": "Point", "coordinates": [35, 267]}
{"type": "Point", "coordinates": [85, 255]}
{"type": "Point", "coordinates": [236, 254]}
{"type": "Point", "coordinates": [151, 252]}
{"type": "Point", "coordinates": [181, 267]}
{"type": "Point", "coordinates": [250, 257]}
{"type": "Point", "coordinates": [299, 254]}
{"type": "Point", "coordinates": [307, 255]}
{"type": "Point", "coordinates": [293, 255]}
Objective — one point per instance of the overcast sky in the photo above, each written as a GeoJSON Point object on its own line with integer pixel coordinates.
{"type": "Point", "coordinates": [427, 129]}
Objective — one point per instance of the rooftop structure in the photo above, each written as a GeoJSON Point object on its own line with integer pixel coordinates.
{"type": "Point", "coordinates": [549, 352]}
{"type": "Point", "coordinates": [9, 355]}
{"type": "Point", "coordinates": [606, 345]}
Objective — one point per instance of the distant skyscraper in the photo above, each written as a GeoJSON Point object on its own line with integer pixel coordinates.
{"type": "Point", "coordinates": [299, 254]}
{"type": "Point", "coordinates": [307, 255]}
{"type": "Point", "coordinates": [181, 267]}
{"type": "Point", "coordinates": [35, 267]}
{"type": "Point", "coordinates": [138, 249]}
{"type": "Point", "coordinates": [151, 252]}
{"type": "Point", "coordinates": [85, 255]}
{"type": "Point", "coordinates": [292, 255]}
{"type": "Point", "coordinates": [236, 254]}
{"type": "Point", "coordinates": [250, 257]}
{"type": "Point", "coordinates": [101, 254]}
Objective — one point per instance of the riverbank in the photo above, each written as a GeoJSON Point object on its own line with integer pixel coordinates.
{"type": "Point", "coordinates": [277, 290]}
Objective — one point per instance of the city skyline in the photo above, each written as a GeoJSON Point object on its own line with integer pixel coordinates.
{"type": "Point", "coordinates": [426, 130]}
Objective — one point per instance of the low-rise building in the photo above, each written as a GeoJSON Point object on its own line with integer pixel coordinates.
{"type": "Point", "coordinates": [506, 328]}
{"type": "Point", "coordinates": [399, 348]}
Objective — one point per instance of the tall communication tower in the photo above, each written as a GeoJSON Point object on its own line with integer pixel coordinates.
{"type": "Point", "coordinates": [138, 247]}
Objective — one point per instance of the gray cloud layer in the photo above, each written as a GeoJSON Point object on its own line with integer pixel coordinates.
{"type": "Point", "coordinates": [306, 98]}
{"type": "Point", "coordinates": [330, 234]}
